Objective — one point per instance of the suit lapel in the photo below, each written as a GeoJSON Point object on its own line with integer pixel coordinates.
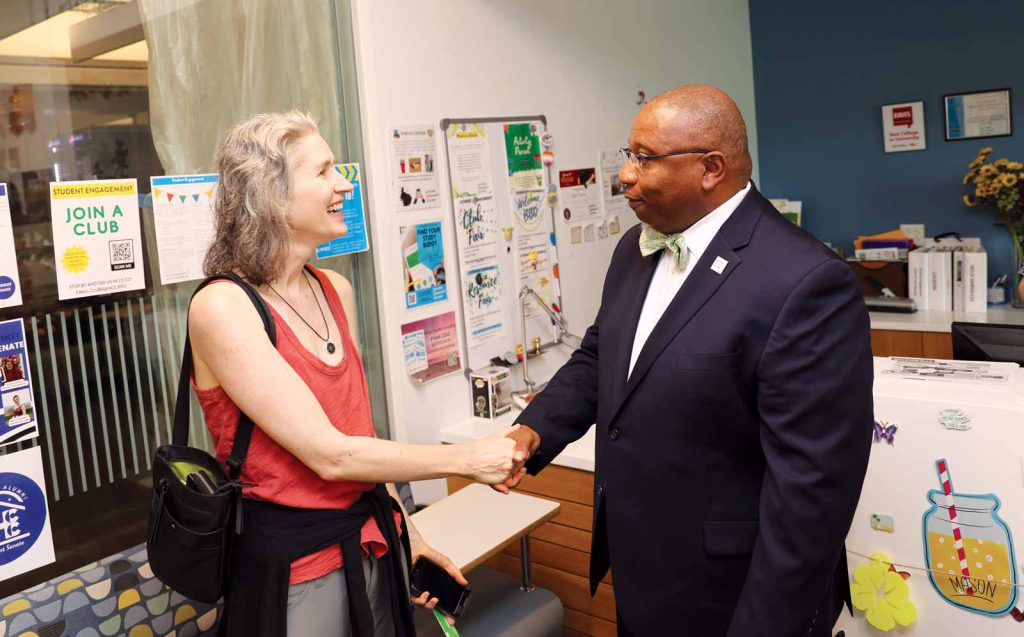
{"type": "Point", "coordinates": [633, 303]}
{"type": "Point", "coordinates": [699, 286]}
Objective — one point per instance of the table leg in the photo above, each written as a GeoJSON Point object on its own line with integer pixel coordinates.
{"type": "Point", "coordinates": [524, 543]}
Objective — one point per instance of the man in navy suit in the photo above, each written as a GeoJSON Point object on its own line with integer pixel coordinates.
{"type": "Point", "coordinates": [729, 375]}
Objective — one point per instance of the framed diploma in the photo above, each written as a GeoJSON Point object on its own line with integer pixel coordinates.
{"type": "Point", "coordinates": [978, 114]}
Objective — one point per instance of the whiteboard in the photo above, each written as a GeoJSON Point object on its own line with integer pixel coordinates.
{"type": "Point", "coordinates": [505, 234]}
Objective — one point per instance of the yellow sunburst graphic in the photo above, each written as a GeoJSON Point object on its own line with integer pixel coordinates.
{"type": "Point", "coordinates": [75, 259]}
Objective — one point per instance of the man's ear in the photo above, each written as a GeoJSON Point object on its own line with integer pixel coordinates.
{"type": "Point", "coordinates": [715, 170]}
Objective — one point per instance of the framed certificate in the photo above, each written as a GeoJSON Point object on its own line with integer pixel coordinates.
{"type": "Point", "coordinates": [978, 114]}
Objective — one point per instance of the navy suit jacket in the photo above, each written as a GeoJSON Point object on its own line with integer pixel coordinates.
{"type": "Point", "coordinates": [730, 463]}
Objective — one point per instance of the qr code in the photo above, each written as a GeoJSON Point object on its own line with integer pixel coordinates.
{"type": "Point", "coordinates": [122, 254]}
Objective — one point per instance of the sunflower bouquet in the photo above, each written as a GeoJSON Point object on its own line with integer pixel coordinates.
{"type": "Point", "coordinates": [999, 184]}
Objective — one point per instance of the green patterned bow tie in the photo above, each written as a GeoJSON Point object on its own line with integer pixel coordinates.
{"type": "Point", "coordinates": [652, 241]}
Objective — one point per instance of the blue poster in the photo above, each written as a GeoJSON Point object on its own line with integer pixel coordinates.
{"type": "Point", "coordinates": [18, 414]}
{"type": "Point", "coordinates": [423, 264]}
{"type": "Point", "coordinates": [10, 285]}
{"type": "Point", "coordinates": [26, 542]}
{"type": "Point", "coordinates": [355, 239]}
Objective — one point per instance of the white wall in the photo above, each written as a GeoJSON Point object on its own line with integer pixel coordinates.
{"type": "Point", "coordinates": [580, 63]}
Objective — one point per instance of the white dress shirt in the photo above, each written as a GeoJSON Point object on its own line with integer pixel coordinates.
{"type": "Point", "coordinates": [667, 280]}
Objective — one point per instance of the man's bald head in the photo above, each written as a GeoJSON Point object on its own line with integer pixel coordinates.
{"type": "Point", "coordinates": [707, 114]}
{"type": "Point", "coordinates": [695, 144]}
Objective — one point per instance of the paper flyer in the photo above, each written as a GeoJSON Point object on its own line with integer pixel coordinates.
{"type": "Point", "coordinates": [431, 347]}
{"type": "Point", "coordinates": [612, 192]}
{"type": "Point", "coordinates": [423, 264]}
{"type": "Point", "coordinates": [579, 194]}
{"type": "Point", "coordinates": [528, 209]}
{"type": "Point", "coordinates": [414, 182]}
{"type": "Point", "coordinates": [470, 161]}
{"type": "Point", "coordinates": [476, 228]}
{"type": "Point", "coordinates": [10, 282]}
{"type": "Point", "coordinates": [97, 237]}
{"type": "Point", "coordinates": [522, 149]}
{"type": "Point", "coordinates": [483, 303]}
{"type": "Point", "coordinates": [26, 542]}
{"type": "Point", "coordinates": [353, 212]}
{"type": "Point", "coordinates": [18, 416]}
{"type": "Point", "coordinates": [183, 221]}
{"type": "Point", "coordinates": [535, 270]}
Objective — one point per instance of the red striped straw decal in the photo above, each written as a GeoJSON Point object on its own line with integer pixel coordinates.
{"type": "Point", "coordinates": [958, 542]}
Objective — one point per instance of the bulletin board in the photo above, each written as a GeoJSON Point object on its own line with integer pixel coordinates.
{"type": "Point", "coordinates": [502, 197]}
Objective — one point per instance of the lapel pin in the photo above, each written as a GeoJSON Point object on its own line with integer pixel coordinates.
{"type": "Point", "coordinates": [719, 265]}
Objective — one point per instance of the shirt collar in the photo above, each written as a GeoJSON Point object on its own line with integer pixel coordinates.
{"type": "Point", "coordinates": [698, 236]}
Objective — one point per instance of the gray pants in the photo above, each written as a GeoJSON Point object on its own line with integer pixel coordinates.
{"type": "Point", "coordinates": [319, 607]}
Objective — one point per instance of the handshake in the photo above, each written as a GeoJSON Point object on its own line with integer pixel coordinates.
{"type": "Point", "coordinates": [499, 459]}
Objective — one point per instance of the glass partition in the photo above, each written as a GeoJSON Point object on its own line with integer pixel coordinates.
{"type": "Point", "coordinates": [119, 89]}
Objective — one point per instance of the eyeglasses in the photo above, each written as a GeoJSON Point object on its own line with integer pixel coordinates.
{"type": "Point", "coordinates": [638, 159]}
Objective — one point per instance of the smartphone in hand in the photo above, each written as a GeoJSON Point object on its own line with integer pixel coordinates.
{"type": "Point", "coordinates": [452, 597]}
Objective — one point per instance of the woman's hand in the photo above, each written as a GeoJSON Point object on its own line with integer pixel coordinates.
{"type": "Point", "coordinates": [421, 549]}
{"type": "Point", "coordinates": [492, 460]}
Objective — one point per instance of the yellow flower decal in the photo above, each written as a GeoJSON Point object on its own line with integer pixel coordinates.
{"type": "Point", "coordinates": [882, 594]}
{"type": "Point", "coordinates": [1008, 179]}
{"type": "Point", "coordinates": [75, 259]}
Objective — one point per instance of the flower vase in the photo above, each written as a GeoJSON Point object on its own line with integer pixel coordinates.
{"type": "Point", "coordinates": [1017, 290]}
{"type": "Point", "coordinates": [1017, 278]}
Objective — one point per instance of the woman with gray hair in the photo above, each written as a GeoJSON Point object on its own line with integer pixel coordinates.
{"type": "Point", "coordinates": [314, 465]}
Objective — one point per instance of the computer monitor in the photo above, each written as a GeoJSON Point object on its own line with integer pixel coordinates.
{"type": "Point", "coordinates": [988, 342]}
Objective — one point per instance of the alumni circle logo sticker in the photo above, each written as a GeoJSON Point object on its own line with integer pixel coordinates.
{"type": "Point", "coordinates": [22, 515]}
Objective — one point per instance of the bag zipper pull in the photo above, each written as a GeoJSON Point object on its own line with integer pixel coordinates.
{"type": "Point", "coordinates": [238, 515]}
{"type": "Point", "coordinates": [159, 512]}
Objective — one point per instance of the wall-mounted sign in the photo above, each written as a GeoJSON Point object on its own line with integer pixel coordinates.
{"type": "Point", "coordinates": [978, 114]}
{"type": "Point", "coordinates": [903, 127]}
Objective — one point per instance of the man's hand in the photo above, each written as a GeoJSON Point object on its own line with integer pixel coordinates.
{"type": "Point", "coordinates": [527, 440]}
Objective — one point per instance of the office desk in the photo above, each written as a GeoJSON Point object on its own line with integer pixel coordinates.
{"type": "Point", "coordinates": [926, 333]}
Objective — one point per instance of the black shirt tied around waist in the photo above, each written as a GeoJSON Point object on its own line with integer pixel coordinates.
{"type": "Point", "coordinates": [274, 536]}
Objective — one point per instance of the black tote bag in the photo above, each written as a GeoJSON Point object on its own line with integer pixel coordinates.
{"type": "Point", "coordinates": [190, 532]}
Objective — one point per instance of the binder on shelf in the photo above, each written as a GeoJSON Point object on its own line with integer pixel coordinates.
{"type": "Point", "coordinates": [955, 272]}
{"type": "Point", "coordinates": [940, 278]}
{"type": "Point", "coordinates": [917, 277]}
{"type": "Point", "coordinates": [975, 280]}
{"type": "Point", "coordinates": [958, 279]}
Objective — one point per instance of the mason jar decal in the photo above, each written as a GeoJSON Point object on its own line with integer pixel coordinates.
{"type": "Point", "coordinates": [969, 549]}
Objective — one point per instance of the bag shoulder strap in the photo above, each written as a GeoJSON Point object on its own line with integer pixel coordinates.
{"type": "Point", "coordinates": [181, 407]}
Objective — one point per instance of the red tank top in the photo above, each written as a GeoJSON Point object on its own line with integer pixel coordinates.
{"type": "Point", "coordinates": [281, 477]}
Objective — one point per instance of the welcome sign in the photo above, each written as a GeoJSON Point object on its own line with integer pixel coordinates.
{"type": "Point", "coordinates": [97, 237]}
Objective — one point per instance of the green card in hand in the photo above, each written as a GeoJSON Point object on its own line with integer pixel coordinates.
{"type": "Point", "coordinates": [446, 628]}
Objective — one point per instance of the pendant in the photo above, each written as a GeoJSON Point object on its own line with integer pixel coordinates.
{"type": "Point", "coordinates": [330, 347]}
